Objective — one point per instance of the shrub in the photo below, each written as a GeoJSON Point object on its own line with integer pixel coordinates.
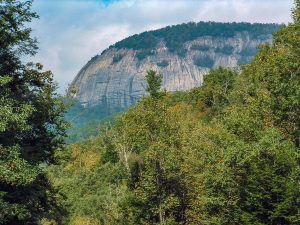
{"type": "Point", "coordinates": [142, 54]}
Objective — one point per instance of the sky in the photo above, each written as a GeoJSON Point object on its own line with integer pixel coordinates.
{"type": "Point", "coordinates": [70, 32]}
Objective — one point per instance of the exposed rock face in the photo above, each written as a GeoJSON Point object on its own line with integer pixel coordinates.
{"type": "Point", "coordinates": [117, 77]}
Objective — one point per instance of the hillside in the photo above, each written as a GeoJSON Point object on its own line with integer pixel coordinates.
{"type": "Point", "coordinates": [183, 54]}
{"type": "Point", "coordinates": [223, 153]}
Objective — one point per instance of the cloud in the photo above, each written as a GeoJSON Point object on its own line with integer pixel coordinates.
{"type": "Point", "coordinates": [268, 11]}
{"type": "Point", "coordinates": [70, 32]}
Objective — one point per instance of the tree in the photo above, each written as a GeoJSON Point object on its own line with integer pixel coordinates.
{"type": "Point", "coordinates": [269, 86]}
{"type": "Point", "coordinates": [213, 96]}
{"type": "Point", "coordinates": [92, 184]}
{"type": "Point", "coordinates": [154, 84]}
{"type": "Point", "coordinates": [32, 124]}
{"type": "Point", "coordinates": [296, 12]}
{"type": "Point", "coordinates": [151, 133]}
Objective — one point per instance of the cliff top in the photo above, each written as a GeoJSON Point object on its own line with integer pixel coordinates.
{"type": "Point", "coordinates": [175, 36]}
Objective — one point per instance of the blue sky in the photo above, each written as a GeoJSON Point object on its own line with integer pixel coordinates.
{"type": "Point", "coordinates": [70, 32]}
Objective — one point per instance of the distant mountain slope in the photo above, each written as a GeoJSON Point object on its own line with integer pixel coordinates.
{"type": "Point", "coordinates": [182, 53]}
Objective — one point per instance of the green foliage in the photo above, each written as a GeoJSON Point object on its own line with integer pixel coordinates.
{"type": "Point", "coordinates": [242, 183]}
{"type": "Point", "coordinates": [149, 140]}
{"type": "Point", "coordinates": [143, 41]}
{"type": "Point", "coordinates": [272, 80]}
{"type": "Point", "coordinates": [144, 53]}
{"type": "Point", "coordinates": [154, 84]}
{"type": "Point", "coordinates": [87, 121]}
{"type": "Point", "coordinates": [94, 188]}
{"type": "Point", "coordinates": [31, 122]}
{"type": "Point", "coordinates": [94, 58]}
{"type": "Point", "coordinates": [175, 36]}
{"type": "Point", "coordinates": [214, 94]}
{"type": "Point", "coordinates": [296, 12]}
{"type": "Point", "coordinates": [224, 153]}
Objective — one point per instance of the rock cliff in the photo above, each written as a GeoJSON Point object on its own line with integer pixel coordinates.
{"type": "Point", "coordinates": [116, 78]}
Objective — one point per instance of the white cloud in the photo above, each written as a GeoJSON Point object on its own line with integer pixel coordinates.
{"type": "Point", "coordinates": [71, 32]}
{"type": "Point", "coordinates": [275, 11]}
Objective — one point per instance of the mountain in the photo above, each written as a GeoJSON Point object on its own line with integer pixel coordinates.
{"type": "Point", "coordinates": [183, 54]}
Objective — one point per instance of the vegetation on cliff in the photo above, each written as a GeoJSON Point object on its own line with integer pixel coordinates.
{"type": "Point", "coordinates": [176, 36]}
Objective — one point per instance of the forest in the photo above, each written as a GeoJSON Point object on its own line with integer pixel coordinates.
{"type": "Point", "coordinates": [191, 31]}
{"type": "Point", "coordinates": [175, 36]}
{"type": "Point", "coordinates": [223, 153]}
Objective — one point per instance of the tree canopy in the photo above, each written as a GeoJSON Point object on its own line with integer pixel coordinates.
{"type": "Point", "coordinates": [175, 36]}
{"type": "Point", "coordinates": [31, 122]}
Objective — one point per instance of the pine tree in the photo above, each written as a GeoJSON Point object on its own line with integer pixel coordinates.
{"type": "Point", "coordinates": [154, 84]}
